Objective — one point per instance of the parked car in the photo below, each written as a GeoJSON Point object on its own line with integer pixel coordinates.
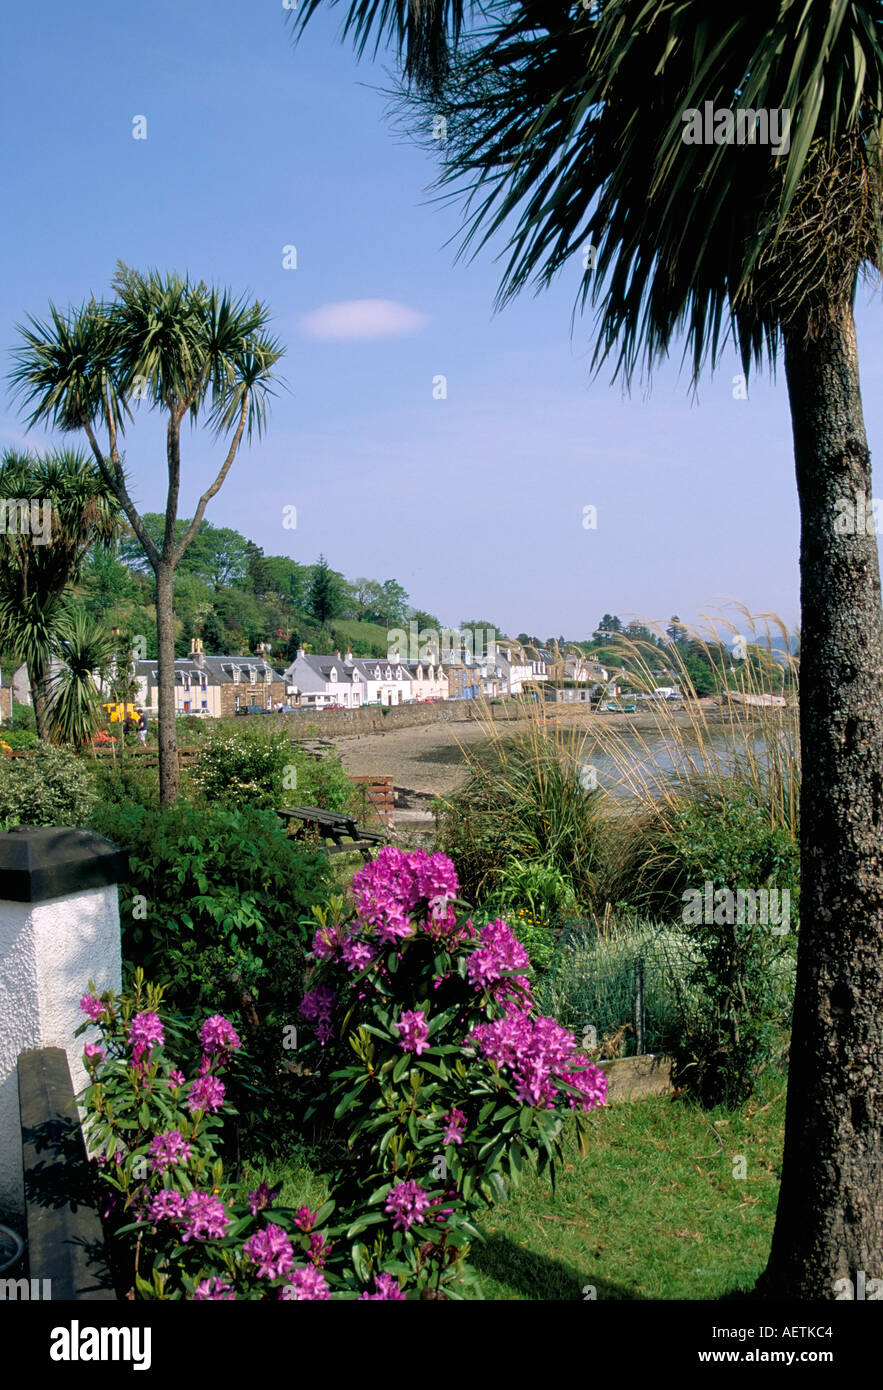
{"type": "Point", "coordinates": [252, 709]}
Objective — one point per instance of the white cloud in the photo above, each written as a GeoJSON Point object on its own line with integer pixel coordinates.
{"type": "Point", "coordinates": [352, 319]}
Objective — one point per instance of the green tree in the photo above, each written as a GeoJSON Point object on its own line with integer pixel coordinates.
{"type": "Point", "coordinates": [288, 579]}
{"type": "Point", "coordinates": [212, 634]}
{"type": "Point", "coordinates": [324, 591]}
{"type": "Point", "coordinates": [70, 510]}
{"type": "Point", "coordinates": [575, 130]}
{"type": "Point", "coordinates": [178, 347]}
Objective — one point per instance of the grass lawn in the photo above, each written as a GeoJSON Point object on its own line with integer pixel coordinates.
{"type": "Point", "coordinates": [655, 1212]}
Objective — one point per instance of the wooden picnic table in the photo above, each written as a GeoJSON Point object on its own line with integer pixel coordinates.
{"type": "Point", "coordinates": [332, 825]}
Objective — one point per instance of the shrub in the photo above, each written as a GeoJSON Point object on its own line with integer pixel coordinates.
{"type": "Point", "coordinates": [23, 717]}
{"type": "Point", "coordinates": [18, 738]}
{"type": "Point", "coordinates": [264, 767]}
{"type": "Point", "coordinates": [742, 974]}
{"type": "Point", "coordinates": [178, 1230]}
{"type": "Point", "coordinates": [525, 801]}
{"type": "Point", "coordinates": [48, 787]}
{"type": "Point", "coordinates": [212, 909]}
{"type": "Point", "coordinates": [456, 1082]}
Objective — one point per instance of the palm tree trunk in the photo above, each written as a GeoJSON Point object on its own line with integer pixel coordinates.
{"type": "Point", "coordinates": [829, 1223]}
{"type": "Point", "coordinates": [165, 634]}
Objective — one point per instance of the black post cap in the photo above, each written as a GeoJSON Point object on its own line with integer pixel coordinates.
{"type": "Point", "coordinates": [38, 862]}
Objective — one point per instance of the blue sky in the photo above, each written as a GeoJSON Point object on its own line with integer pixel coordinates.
{"type": "Point", "coordinates": [474, 502]}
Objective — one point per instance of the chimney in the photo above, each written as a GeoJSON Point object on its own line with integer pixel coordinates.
{"type": "Point", "coordinates": [300, 653]}
{"type": "Point", "coordinates": [197, 651]}
{"type": "Point", "coordinates": [348, 659]}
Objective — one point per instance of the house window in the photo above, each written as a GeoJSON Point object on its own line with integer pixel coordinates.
{"type": "Point", "coordinates": [237, 677]}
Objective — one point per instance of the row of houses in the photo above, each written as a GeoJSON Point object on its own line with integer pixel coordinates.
{"type": "Point", "coordinates": [221, 685]}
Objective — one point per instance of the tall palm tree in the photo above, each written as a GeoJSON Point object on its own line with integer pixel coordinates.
{"type": "Point", "coordinates": [67, 491]}
{"type": "Point", "coordinates": [566, 128]}
{"type": "Point", "coordinates": [182, 348]}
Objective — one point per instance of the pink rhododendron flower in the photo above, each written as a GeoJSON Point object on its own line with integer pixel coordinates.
{"type": "Point", "coordinates": [406, 1202]}
{"type": "Point", "coordinates": [176, 1079]}
{"type": "Point", "coordinates": [270, 1249]}
{"type": "Point", "coordinates": [167, 1205]}
{"type": "Point", "coordinates": [206, 1093]}
{"type": "Point", "coordinates": [206, 1216]}
{"type": "Point", "coordinates": [386, 1288]}
{"type": "Point", "coordinates": [318, 1004]}
{"type": "Point", "coordinates": [540, 1053]}
{"type": "Point", "coordinates": [145, 1032]}
{"type": "Point", "coordinates": [455, 1123]}
{"type": "Point", "coordinates": [327, 942]}
{"type": "Point", "coordinates": [261, 1198]}
{"type": "Point", "coordinates": [308, 1284]}
{"type": "Point", "coordinates": [168, 1149]}
{"type": "Point", "coordinates": [413, 1030]}
{"type": "Point", "coordinates": [217, 1034]}
{"type": "Point", "coordinates": [94, 1054]}
{"type": "Point", "coordinates": [356, 954]}
{"type": "Point", "coordinates": [213, 1289]}
{"type": "Point", "coordinates": [320, 1248]}
{"type": "Point", "coordinates": [305, 1219]}
{"type": "Point", "coordinates": [92, 1006]}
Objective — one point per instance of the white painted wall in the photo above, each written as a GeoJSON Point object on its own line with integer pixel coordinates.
{"type": "Point", "coordinates": [48, 953]}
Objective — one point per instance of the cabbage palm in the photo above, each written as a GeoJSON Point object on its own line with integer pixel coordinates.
{"type": "Point", "coordinates": [565, 126]}
{"type": "Point", "coordinates": [184, 349]}
{"type": "Point", "coordinates": [66, 489]}
{"type": "Point", "coordinates": [83, 646]}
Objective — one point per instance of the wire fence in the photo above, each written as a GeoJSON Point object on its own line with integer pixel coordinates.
{"type": "Point", "coordinates": [621, 988]}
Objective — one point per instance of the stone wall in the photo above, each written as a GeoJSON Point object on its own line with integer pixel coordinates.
{"type": "Point", "coordinates": [372, 719]}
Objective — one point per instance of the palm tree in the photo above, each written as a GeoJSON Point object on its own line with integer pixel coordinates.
{"type": "Point", "coordinates": [83, 646]}
{"type": "Point", "coordinates": [67, 491]}
{"type": "Point", "coordinates": [184, 349]}
{"type": "Point", "coordinates": [565, 132]}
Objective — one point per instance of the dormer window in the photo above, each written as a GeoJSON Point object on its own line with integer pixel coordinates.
{"type": "Point", "coordinates": [237, 675]}
{"type": "Point", "coordinates": [333, 675]}
{"type": "Point", "coordinates": [252, 675]}
{"type": "Point", "coordinates": [377, 673]}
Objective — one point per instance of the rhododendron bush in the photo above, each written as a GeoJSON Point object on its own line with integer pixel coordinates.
{"type": "Point", "coordinates": [169, 1206]}
{"type": "Point", "coordinates": [429, 1058]}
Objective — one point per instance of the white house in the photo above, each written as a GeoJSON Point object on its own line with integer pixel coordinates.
{"type": "Point", "coordinates": [429, 680]}
{"type": "Point", "coordinates": [387, 680]}
{"type": "Point", "coordinates": [320, 681]}
{"type": "Point", "coordinates": [514, 669]}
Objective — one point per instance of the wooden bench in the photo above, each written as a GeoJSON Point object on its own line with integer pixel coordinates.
{"type": "Point", "coordinates": [331, 825]}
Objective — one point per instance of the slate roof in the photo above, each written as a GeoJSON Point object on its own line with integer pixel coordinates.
{"type": "Point", "coordinates": [219, 669]}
